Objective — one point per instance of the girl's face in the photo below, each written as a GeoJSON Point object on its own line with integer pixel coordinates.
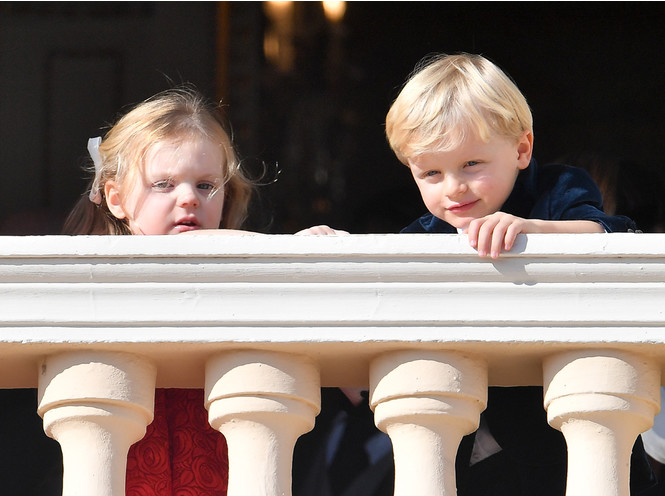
{"type": "Point", "coordinates": [181, 189]}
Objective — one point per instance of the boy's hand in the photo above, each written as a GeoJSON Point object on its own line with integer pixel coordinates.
{"type": "Point", "coordinates": [499, 230]}
{"type": "Point", "coordinates": [492, 233]}
{"type": "Point", "coordinates": [322, 231]}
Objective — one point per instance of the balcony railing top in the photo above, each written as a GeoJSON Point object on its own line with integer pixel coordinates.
{"type": "Point", "coordinates": [341, 300]}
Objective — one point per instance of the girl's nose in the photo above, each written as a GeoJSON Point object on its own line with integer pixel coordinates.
{"type": "Point", "coordinates": [187, 196]}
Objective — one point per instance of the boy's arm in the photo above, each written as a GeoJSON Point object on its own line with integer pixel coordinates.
{"type": "Point", "coordinates": [566, 195]}
{"type": "Point", "coordinates": [490, 234]}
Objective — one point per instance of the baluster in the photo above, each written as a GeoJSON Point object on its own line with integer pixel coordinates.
{"type": "Point", "coordinates": [96, 405]}
{"type": "Point", "coordinates": [601, 401]}
{"type": "Point", "coordinates": [426, 402]}
{"type": "Point", "coordinates": [262, 402]}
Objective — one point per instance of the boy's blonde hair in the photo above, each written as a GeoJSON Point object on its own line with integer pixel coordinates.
{"type": "Point", "coordinates": [450, 97]}
{"type": "Point", "coordinates": [179, 114]}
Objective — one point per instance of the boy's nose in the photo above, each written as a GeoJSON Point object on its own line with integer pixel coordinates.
{"type": "Point", "coordinates": [453, 186]}
{"type": "Point", "coordinates": [187, 195]}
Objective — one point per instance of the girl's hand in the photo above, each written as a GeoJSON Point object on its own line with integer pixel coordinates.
{"type": "Point", "coordinates": [322, 231]}
{"type": "Point", "coordinates": [492, 233]}
{"type": "Point", "coordinates": [232, 232]}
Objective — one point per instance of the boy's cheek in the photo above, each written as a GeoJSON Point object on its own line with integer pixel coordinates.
{"type": "Point", "coordinates": [430, 204]}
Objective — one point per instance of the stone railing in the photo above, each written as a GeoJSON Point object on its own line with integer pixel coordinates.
{"type": "Point", "coordinates": [261, 322]}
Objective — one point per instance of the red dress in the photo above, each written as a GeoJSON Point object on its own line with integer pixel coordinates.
{"type": "Point", "coordinates": [180, 455]}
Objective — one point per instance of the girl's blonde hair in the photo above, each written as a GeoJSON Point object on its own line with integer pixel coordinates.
{"type": "Point", "coordinates": [175, 114]}
{"type": "Point", "coordinates": [450, 97]}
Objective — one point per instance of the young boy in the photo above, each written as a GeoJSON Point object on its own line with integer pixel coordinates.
{"type": "Point", "coordinates": [465, 131]}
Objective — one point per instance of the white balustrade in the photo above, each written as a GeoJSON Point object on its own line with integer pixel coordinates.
{"type": "Point", "coordinates": [98, 322]}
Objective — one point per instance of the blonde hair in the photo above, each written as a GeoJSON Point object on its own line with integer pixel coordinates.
{"type": "Point", "coordinates": [178, 114]}
{"type": "Point", "coordinates": [451, 97]}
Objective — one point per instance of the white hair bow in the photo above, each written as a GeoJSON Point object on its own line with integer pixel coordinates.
{"type": "Point", "coordinates": [93, 149]}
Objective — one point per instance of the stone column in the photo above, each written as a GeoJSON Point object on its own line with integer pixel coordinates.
{"type": "Point", "coordinates": [262, 402]}
{"type": "Point", "coordinates": [601, 401]}
{"type": "Point", "coordinates": [426, 401]}
{"type": "Point", "coordinates": [96, 405]}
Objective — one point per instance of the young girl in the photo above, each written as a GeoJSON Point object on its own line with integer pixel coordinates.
{"type": "Point", "coordinates": [168, 167]}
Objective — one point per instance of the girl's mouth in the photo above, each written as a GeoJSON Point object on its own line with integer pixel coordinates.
{"type": "Point", "coordinates": [184, 225]}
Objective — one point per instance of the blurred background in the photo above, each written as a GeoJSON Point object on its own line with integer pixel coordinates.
{"type": "Point", "coordinates": [306, 87]}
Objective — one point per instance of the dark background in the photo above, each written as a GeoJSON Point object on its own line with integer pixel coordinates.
{"type": "Point", "coordinates": [593, 73]}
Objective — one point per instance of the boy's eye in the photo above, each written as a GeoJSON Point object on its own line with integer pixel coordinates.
{"type": "Point", "coordinates": [431, 173]}
{"type": "Point", "coordinates": [471, 163]}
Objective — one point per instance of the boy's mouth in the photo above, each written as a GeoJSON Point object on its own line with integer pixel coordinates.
{"type": "Point", "coordinates": [459, 208]}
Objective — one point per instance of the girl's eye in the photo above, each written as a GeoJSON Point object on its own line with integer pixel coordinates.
{"type": "Point", "coordinates": [208, 189]}
{"type": "Point", "coordinates": [471, 163]}
{"type": "Point", "coordinates": [206, 186]}
{"type": "Point", "coordinates": [164, 184]}
{"type": "Point", "coordinates": [431, 173]}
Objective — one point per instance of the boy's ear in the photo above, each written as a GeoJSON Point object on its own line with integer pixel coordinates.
{"type": "Point", "coordinates": [524, 150]}
{"type": "Point", "coordinates": [113, 201]}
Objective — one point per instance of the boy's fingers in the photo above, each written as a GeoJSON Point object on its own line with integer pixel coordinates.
{"type": "Point", "coordinates": [472, 233]}
{"type": "Point", "coordinates": [511, 236]}
{"type": "Point", "coordinates": [485, 235]}
{"type": "Point", "coordinates": [498, 240]}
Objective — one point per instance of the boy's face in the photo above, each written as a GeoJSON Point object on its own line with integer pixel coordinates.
{"type": "Point", "coordinates": [473, 180]}
{"type": "Point", "coordinates": [181, 189]}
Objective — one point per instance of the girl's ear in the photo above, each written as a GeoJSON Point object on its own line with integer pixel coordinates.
{"type": "Point", "coordinates": [113, 201]}
{"type": "Point", "coordinates": [524, 150]}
